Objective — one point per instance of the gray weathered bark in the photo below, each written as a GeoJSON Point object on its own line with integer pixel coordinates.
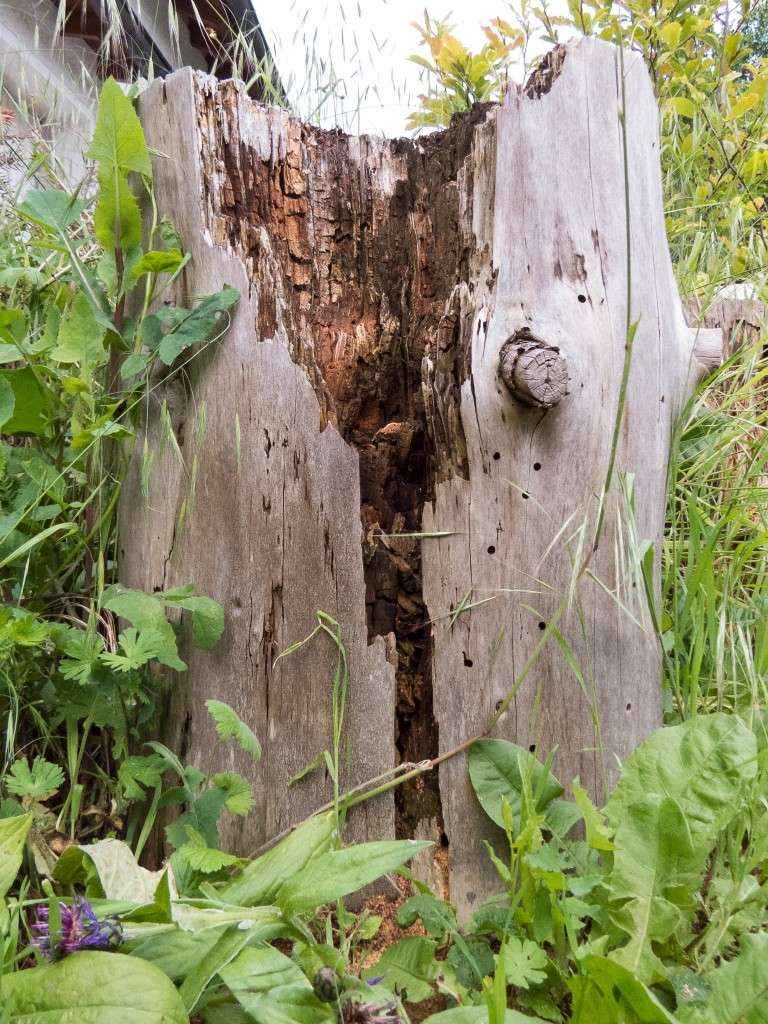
{"type": "Point", "coordinates": [360, 383]}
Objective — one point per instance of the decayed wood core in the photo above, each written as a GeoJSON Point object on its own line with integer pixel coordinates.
{"type": "Point", "coordinates": [369, 264]}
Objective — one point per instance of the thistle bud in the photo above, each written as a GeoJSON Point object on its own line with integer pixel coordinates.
{"type": "Point", "coordinates": [326, 985]}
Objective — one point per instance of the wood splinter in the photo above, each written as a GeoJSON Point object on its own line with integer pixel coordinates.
{"type": "Point", "coordinates": [535, 373]}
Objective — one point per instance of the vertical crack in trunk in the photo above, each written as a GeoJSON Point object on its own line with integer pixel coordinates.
{"type": "Point", "coordinates": [359, 253]}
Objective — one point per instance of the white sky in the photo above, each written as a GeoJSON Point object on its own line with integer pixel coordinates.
{"type": "Point", "coordinates": [362, 46]}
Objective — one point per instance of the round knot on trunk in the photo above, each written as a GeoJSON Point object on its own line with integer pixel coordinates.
{"type": "Point", "coordinates": [535, 372]}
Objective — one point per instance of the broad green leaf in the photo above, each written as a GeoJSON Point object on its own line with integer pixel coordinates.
{"type": "Point", "coordinates": [682, 105]}
{"type": "Point", "coordinates": [118, 139]}
{"type": "Point", "coordinates": [207, 614]}
{"type": "Point", "coordinates": [286, 1004]}
{"type": "Point", "coordinates": [495, 768]}
{"type": "Point", "coordinates": [92, 988]}
{"type": "Point", "coordinates": [261, 969]}
{"type": "Point", "coordinates": [119, 873]}
{"type": "Point", "coordinates": [81, 337]}
{"type": "Point", "coordinates": [625, 995]}
{"type": "Point", "coordinates": [117, 220]}
{"type": "Point", "coordinates": [471, 959]}
{"type": "Point", "coordinates": [30, 403]}
{"type": "Point", "coordinates": [174, 951]}
{"type": "Point", "coordinates": [702, 764]}
{"type": "Point", "coordinates": [191, 326]}
{"type": "Point", "coordinates": [160, 261]}
{"type": "Point", "coordinates": [478, 1015]}
{"type": "Point", "coordinates": [340, 872]}
{"type": "Point", "coordinates": [739, 988]}
{"type": "Point", "coordinates": [223, 953]}
{"type": "Point", "coordinates": [229, 725]}
{"type": "Point", "coordinates": [52, 208]}
{"type": "Point", "coordinates": [408, 967]}
{"type": "Point", "coordinates": [260, 880]}
{"type": "Point", "coordinates": [746, 102]}
{"type": "Point", "coordinates": [7, 401]}
{"type": "Point", "coordinates": [13, 835]}
{"type": "Point", "coordinates": [656, 869]}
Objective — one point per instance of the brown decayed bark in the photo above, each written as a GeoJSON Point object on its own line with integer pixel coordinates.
{"type": "Point", "coordinates": [368, 288]}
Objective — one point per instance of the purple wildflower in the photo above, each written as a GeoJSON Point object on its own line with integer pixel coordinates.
{"type": "Point", "coordinates": [80, 929]}
{"type": "Point", "coordinates": [354, 1012]}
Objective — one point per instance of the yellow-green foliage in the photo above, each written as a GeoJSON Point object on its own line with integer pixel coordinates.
{"type": "Point", "coordinates": [711, 77]}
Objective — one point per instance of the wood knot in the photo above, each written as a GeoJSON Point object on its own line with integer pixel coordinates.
{"type": "Point", "coordinates": [535, 372]}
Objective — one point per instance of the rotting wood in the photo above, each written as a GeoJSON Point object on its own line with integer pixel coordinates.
{"type": "Point", "coordinates": [358, 399]}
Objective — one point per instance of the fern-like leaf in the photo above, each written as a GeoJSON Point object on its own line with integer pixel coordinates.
{"type": "Point", "coordinates": [229, 725]}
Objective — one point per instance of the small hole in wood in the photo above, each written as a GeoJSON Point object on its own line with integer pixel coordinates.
{"type": "Point", "coordinates": [582, 298]}
{"type": "Point", "coordinates": [542, 626]}
{"type": "Point", "coordinates": [537, 466]}
{"type": "Point", "coordinates": [629, 706]}
{"type": "Point", "coordinates": [496, 456]}
{"type": "Point", "coordinates": [525, 496]}
{"type": "Point", "coordinates": [468, 661]}
{"type": "Point", "coordinates": [498, 705]}
{"type": "Point", "coordinates": [532, 748]}
{"type": "Point", "coordinates": [491, 549]}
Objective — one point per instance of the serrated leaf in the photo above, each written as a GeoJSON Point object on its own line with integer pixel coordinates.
{"type": "Point", "coordinates": [81, 337]}
{"type": "Point", "coordinates": [408, 967]}
{"type": "Point", "coordinates": [739, 988]}
{"type": "Point", "coordinates": [238, 790]}
{"type": "Point", "coordinates": [229, 725]}
{"type": "Point", "coordinates": [139, 771]}
{"type": "Point", "coordinates": [438, 917]}
{"type": "Point", "coordinates": [52, 208]}
{"type": "Point", "coordinates": [118, 138]}
{"type": "Point", "coordinates": [472, 960]}
{"type": "Point", "coordinates": [598, 832]}
{"type": "Point", "coordinates": [703, 764]}
{"type": "Point", "coordinates": [207, 614]}
{"type": "Point", "coordinates": [656, 869]}
{"type": "Point", "coordinates": [524, 962]}
{"type": "Point", "coordinates": [202, 857]}
{"type": "Point", "coordinates": [137, 647]}
{"type": "Point", "coordinates": [145, 612]}
{"type": "Point", "coordinates": [37, 782]}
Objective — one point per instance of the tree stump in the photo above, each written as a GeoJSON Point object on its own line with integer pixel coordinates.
{"type": "Point", "coordinates": [430, 340]}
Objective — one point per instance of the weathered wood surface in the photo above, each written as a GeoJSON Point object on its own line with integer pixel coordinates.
{"type": "Point", "coordinates": [733, 317]}
{"type": "Point", "coordinates": [381, 281]}
{"type": "Point", "coordinates": [272, 530]}
{"type": "Point", "coordinates": [553, 261]}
